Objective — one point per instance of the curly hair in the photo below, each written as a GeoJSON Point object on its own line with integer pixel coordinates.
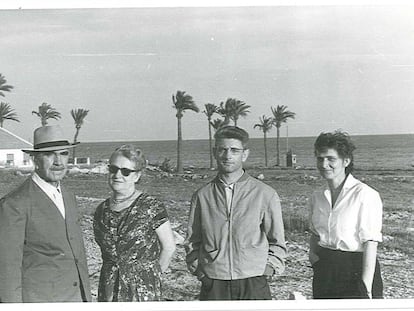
{"type": "Point", "coordinates": [341, 142]}
{"type": "Point", "coordinates": [233, 132]}
{"type": "Point", "coordinates": [133, 154]}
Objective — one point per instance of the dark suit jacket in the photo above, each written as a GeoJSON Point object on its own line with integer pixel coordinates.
{"type": "Point", "coordinates": [42, 255]}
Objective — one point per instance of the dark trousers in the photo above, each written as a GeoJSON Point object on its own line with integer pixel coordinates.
{"type": "Point", "coordinates": [254, 288]}
{"type": "Point", "coordinates": [338, 274]}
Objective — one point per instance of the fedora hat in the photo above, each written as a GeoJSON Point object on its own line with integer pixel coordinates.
{"type": "Point", "coordinates": [49, 138]}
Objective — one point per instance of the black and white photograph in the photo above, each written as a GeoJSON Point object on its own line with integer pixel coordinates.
{"type": "Point", "coordinates": [218, 155]}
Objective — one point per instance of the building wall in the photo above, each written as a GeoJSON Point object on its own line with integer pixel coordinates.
{"type": "Point", "coordinates": [14, 158]}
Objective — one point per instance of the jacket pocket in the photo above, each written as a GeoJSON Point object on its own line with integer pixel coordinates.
{"type": "Point", "coordinates": [211, 254]}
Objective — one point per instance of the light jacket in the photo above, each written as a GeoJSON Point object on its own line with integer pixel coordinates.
{"type": "Point", "coordinates": [237, 244]}
{"type": "Point", "coordinates": [42, 255]}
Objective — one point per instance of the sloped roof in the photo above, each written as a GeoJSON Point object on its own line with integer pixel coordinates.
{"type": "Point", "coordinates": [8, 140]}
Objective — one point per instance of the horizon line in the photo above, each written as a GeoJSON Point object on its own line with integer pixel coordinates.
{"type": "Point", "coordinates": [282, 137]}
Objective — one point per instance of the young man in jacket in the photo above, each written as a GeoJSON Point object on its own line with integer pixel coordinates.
{"type": "Point", "coordinates": [235, 237]}
{"type": "Point", "coordinates": [42, 255]}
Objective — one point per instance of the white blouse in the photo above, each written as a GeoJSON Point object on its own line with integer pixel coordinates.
{"type": "Point", "coordinates": [355, 218]}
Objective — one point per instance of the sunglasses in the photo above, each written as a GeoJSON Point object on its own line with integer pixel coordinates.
{"type": "Point", "coordinates": [124, 171]}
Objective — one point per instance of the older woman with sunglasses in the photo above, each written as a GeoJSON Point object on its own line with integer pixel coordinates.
{"type": "Point", "coordinates": [345, 223]}
{"type": "Point", "coordinates": [133, 232]}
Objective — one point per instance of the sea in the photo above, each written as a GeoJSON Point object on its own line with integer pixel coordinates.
{"type": "Point", "coordinates": [376, 152]}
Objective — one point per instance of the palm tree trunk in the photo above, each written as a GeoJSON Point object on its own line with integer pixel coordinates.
{"type": "Point", "coordinates": [75, 139]}
{"type": "Point", "coordinates": [179, 139]}
{"type": "Point", "coordinates": [277, 146]}
{"type": "Point", "coordinates": [265, 147]}
{"type": "Point", "coordinates": [210, 144]}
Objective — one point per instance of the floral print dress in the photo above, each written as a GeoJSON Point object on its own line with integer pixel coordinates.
{"type": "Point", "coordinates": [130, 250]}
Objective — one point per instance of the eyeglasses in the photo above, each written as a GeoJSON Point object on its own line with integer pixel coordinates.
{"type": "Point", "coordinates": [233, 151]}
{"type": "Point", "coordinates": [124, 171]}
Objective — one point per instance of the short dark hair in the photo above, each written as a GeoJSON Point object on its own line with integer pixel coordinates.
{"type": "Point", "coordinates": [232, 132]}
{"type": "Point", "coordinates": [133, 154]}
{"type": "Point", "coordinates": [341, 142]}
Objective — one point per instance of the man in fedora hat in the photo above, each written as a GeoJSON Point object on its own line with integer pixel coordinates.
{"type": "Point", "coordinates": [42, 255]}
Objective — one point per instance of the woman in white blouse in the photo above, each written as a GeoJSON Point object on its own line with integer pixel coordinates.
{"type": "Point", "coordinates": [345, 223]}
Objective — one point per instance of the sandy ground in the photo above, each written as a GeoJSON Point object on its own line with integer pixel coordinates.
{"type": "Point", "coordinates": [294, 187]}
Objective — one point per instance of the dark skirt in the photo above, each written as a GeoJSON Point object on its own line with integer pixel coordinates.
{"type": "Point", "coordinates": [338, 274]}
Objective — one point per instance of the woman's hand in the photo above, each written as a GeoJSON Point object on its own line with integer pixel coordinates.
{"type": "Point", "coordinates": [167, 242]}
{"type": "Point", "coordinates": [369, 257]}
{"type": "Point", "coordinates": [313, 249]}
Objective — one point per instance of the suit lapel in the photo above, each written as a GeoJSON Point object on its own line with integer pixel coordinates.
{"type": "Point", "coordinates": [41, 196]}
{"type": "Point", "coordinates": [71, 220]}
{"type": "Point", "coordinates": [70, 205]}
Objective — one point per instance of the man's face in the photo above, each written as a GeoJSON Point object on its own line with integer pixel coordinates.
{"type": "Point", "coordinates": [230, 155]}
{"type": "Point", "coordinates": [51, 166]}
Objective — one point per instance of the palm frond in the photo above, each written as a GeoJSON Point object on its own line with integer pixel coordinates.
{"type": "Point", "coordinates": [265, 124]}
{"type": "Point", "coordinates": [218, 123]}
{"type": "Point", "coordinates": [7, 113]}
{"type": "Point", "coordinates": [184, 102]}
{"type": "Point", "coordinates": [79, 116]}
{"type": "Point", "coordinates": [233, 109]}
{"type": "Point", "coordinates": [45, 112]}
{"type": "Point", "coordinates": [281, 115]}
{"type": "Point", "coordinates": [3, 86]}
{"type": "Point", "coordinates": [210, 109]}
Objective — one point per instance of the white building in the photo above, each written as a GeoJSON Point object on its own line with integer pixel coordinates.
{"type": "Point", "coordinates": [11, 154]}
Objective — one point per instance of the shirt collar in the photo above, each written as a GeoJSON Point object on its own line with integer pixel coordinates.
{"type": "Point", "coordinates": [227, 185]}
{"type": "Point", "coordinates": [44, 184]}
{"type": "Point", "coordinates": [350, 182]}
{"type": "Point", "coordinates": [243, 177]}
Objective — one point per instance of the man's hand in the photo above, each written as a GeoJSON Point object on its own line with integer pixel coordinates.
{"type": "Point", "coordinates": [313, 258]}
{"type": "Point", "coordinates": [206, 282]}
{"type": "Point", "coordinates": [269, 272]}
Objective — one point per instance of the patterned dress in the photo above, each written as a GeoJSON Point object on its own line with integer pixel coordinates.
{"type": "Point", "coordinates": [130, 250]}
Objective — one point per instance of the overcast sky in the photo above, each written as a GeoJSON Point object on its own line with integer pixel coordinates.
{"type": "Point", "coordinates": [349, 67]}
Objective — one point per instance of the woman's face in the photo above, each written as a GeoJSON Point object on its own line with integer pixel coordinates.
{"type": "Point", "coordinates": [330, 165]}
{"type": "Point", "coordinates": [118, 182]}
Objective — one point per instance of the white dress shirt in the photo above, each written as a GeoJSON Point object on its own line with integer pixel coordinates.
{"type": "Point", "coordinates": [355, 218]}
{"type": "Point", "coordinates": [54, 193]}
{"type": "Point", "coordinates": [229, 194]}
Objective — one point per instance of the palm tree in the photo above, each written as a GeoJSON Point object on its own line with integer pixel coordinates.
{"type": "Point", "coordinates": [3, 86]}
{"type": "Point", "coordinates": [265, 125]}
{"type": "Point", "coordinates": [45, 112]}
{"type": "Point", "coordinates": [280, 115]}
{"type": "Point", "coordinates": [182, 102]}
{"type": "Point", "coordinates": [225, 110]}
{"type": "Point", "coordinates": [233, 109]}
{"type": "Point", "coordinates": [217, 123]}
{"type": "Point", "coordinates": [78, 116]}
{"type": "Point", "coordinates": [7, 113]}
{"type": "Point", "coordinates": [240, 109]}
{"type": "Point", "coordinates": [210, 109]}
